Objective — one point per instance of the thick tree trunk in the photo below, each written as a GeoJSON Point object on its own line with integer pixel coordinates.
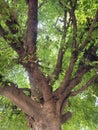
{"type": "Point", "coordinates": [50, 123]}
{"type": "Point", "coordinates": [49, 119]}
{"type": "Point", "coordinates": [46, 126]}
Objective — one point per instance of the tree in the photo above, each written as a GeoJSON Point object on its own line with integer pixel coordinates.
{"type": "Point", "coordinates": [69, 33]}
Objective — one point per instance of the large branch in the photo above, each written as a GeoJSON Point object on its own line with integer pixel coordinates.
{"type": "Point", "coordinates": [21, 100]}
{"type": "Point", "coordinates": [41, 82]}
{"type": "Point", "coordinates": [89, 32]}
{"type": "Point", "coordinates": [31, 34]}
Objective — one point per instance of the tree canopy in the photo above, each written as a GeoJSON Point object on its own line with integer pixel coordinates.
{"type": "Point", "coordinates": [55, 45]}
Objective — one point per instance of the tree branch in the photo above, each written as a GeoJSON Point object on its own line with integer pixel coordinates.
{"type": "Point", "coordinates": [41, 4]}
{"type": "Point", "coordinates": [89, 32]}
{"type": "Point", "coordinates": [65, 102]}
{"type": "Point", "coordinates": [74, 54]}
{"type": "Point", "coordinates": [79, 74]}
{"type": "Point", "coordinates": [66, 78]}
{"type": "Point", "coordinates": [12, 24]}
{"type": "Point", "coordinates": [65, 117]}
{"type": "Point", "coordinates": [2, 32]}
{"type": "Point", "coordinates": [31, 33]}
{"type": "Point", "coordinates": [75, 81]}
{"type": "Point", "coordinates": [16, 44]}
{"type": "Point", "coordinates": [74, 22]}
{"type": "Point", "coordinates": [41, 82]}
{"type": "Point", "coordinates": [58, 66]}
{"type": "Point", "coordinates": [62, 95]}
{"type": "Point", "coordinates": [21, 100]}
{"type": "Point", "coordinates": [90, 53]}
{"type": "Point", "coordinates": [83, 88]}
{"type": "Point", "coordinates": [25, 89]}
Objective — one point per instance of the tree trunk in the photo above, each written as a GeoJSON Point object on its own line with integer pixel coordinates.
{"type": "Point", "coordinates": [45, 124]}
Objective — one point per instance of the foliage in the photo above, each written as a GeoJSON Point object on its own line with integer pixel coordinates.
{"type": "Point", "coordinates": [11, 115]}
{"type": "Point", "coordinates": [84, 112]}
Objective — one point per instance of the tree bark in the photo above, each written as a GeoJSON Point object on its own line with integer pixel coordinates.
{"type": "Point", "coordinates": [49, 122]}
{"type": "Point", "coordinates": [46, 126]}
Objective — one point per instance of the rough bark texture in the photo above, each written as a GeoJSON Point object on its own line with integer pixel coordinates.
{"type": "Point", "coordinates": [46, 123]}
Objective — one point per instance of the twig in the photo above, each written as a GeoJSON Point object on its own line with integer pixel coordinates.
{"type": "Point", "coordinates": [58, 66]}
{"type": "Point", "coordinates": [41, 4]}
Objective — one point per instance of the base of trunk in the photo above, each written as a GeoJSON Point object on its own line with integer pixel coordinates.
{"type": "Point", "coordinates": [44, 124]}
